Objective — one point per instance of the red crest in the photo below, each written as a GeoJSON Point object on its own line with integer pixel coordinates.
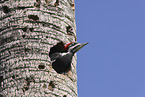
{"type": "Point", "coordinates": [67, 45]}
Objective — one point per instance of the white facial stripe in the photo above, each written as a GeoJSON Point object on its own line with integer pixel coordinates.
{"type": "Point", "coordinates": [73, 46]}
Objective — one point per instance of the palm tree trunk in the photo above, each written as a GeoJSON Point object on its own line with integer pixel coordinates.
{"type": "Point", "coordinates": [28, 30]}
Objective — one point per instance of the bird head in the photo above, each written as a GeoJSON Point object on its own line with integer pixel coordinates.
{"type": "Point", "coordinates": [74, 47]}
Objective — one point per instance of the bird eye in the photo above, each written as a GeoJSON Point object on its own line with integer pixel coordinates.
{"type": "Point", "coordinates": [72, 43]}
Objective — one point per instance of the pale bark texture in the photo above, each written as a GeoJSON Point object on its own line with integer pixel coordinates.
{"type": "Point", "coordinates": [28, 30]}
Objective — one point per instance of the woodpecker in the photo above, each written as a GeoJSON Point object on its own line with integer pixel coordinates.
{"type": "Point", "coordinates": [61, 60]}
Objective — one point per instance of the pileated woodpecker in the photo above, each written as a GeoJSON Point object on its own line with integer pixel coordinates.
{"type": "Point", "coordinates": [62, 56]}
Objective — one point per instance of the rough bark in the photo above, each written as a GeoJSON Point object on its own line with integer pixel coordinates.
{"type": "Point", "coordinates": [28, 30]}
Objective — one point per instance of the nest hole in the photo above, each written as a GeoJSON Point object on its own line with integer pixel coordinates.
{"type": "Point", "coordinates": [69, 30]}
{"type": "Point", "coordinates": [33, 17]}
{"type": "Point", "coordinates": [64, 96]}
{"type": "Point", "coordinates": [13, 76]}
{"type": "Point", "coordinates": [37, 4]}
{"type": "Point", "coordinates": [41, 66]}
{"type": "Point", "coordinates": [24, 29]}
{"type": "Point", "coordinates": [1, 79]}
{"type": "Point", "coordinates": [56, 3]}
{"type": "Point", "coordinates": [31, 29]}
{"type": "Point", "coordinates": [51, 85]}
{"type": "Point", "coordinates": [59, 47]}
{"type": "Point", "coordinates": [23, 36]}
{"type": "Point", "coordinates": [5, 9]}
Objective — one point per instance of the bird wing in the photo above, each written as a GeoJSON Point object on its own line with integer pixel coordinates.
{"type": "Point", "coordinates": [62, 64]}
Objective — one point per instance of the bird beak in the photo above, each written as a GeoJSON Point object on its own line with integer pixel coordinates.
{"type": "Point", "coordinates": [79, 46]}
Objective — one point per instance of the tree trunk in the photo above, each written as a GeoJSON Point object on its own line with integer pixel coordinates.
{"type": "Point", "coordinates": [28, 30]}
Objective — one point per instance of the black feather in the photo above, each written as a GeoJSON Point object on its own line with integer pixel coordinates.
{"type": "Point", "coordinates": [61, 63]}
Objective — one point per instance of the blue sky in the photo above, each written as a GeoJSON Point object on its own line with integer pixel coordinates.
{"type": "Point", "coordinates": [113, 63]}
